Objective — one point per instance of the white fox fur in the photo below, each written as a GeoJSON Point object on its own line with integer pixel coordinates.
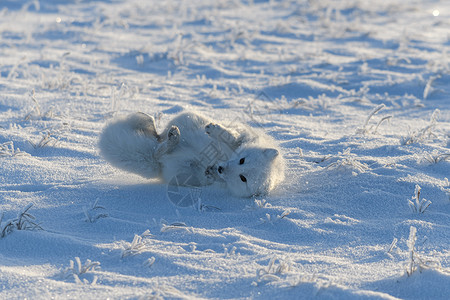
{"type": "Point", "coordinates": [246, 162]}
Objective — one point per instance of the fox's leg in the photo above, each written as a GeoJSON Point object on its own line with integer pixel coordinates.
{"type": "Point", "coordinates": [143, 123]}
{"type": "Point", "coordinates": [167, 145]}
{"type": "Point", "coordinates": [224, 135]}
{"type": "Point", "coordinates": [129, 143]}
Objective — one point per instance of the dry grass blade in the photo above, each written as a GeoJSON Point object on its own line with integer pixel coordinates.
{"type": "Point", "coordinates": [75, 271]}
{"type": "Point", "coordinates": [436, 158]}
{"type": "Point", "coordinates": [424, 133]}
{"type": "Point", "coordinates": [23, 221]}
{"type": "Point", "coordinates": [138, 245]}
{"type": "Point", "coordinates": [7, 149]}
{"type": "Point", "coordinates": [416, 204]}
{"type": "Point", "coordinates": [91, 212]}
{"type": "Point", "coordinates": [46, 140]}
{"type": "Point", "coordinates": [174, 226]}
{"type": "Point", "coordinates": [370, 129]}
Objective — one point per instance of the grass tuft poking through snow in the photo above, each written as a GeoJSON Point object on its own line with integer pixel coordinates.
{"type": "Point", "coordinates": [36, 113]}
{"type": "Point", "coordinates": [7, 149]}
{"type": "Point", "coordinates": [423, 134]}
{"type": "Point", "coordinates": [273, 271]}
{"type": "Point", "coordinates": [373, 128]}
{"type": "Point", "coordinates": [348, 161]}
{"type": "Point", "coordinates": [418, 262]}
{"type": "Point", "coordinates": [46, 140]}
{"type": "Point", "coordinates": [174, 226]}
{"type": "Point", "coordinates": [416, 204]}
{"type": "Point", "coordinates": [138, 245]}
{"type": "Point", "coordinates": [434, 158]}
{"type": "Point", "coordinates": [91, 212]}
{"type": "Point", "coordinates": [23, 221]}
{"type": "Point", "coordinates": [76, 271]}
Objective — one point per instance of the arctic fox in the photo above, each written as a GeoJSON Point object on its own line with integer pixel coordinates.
{"type": "Point", "coordinates": [246, 162]}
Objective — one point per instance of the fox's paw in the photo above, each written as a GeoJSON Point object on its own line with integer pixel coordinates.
{"type": "Point", "coordinates": [173, 135]}
{"type": "Point", "coordinates": [211, 174]}
{"type": "Point", "coordinates": [167, 146]}
{"type": "Point", "coordinates": [213, 129]}
{"type": "Point", "coordinates": [221, 134]}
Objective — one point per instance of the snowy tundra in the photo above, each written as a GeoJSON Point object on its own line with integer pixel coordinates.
{"type": "Point", "coordinates": [354, 92]}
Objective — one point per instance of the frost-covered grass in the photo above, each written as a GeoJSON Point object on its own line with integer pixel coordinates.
{"type": "Point", "coordinates": [416, 263]}
{"type": "Point", "coordinates": [356, 93]}
{"type": "Point", "coordinates": [77, 269]}
{"type": "Point", "coordinates": [23, 221]}
{"type": "Point", "coordinates": [416, 204]}
{"type": "Point", "coordinates": [92, 213]}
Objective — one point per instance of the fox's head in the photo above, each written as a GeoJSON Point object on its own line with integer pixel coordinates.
{"type": "Point", "coordinates": [253, 171]}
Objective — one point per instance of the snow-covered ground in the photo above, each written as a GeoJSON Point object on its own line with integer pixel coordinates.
{"type": "Point", "coordinates": [357, 93]}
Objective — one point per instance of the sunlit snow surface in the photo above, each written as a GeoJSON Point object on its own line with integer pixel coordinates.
{"type": "Point", "coordinates": [356, 92]}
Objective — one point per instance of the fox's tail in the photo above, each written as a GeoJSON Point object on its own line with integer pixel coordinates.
{"type": "Point", "coordinates": [129, 144]}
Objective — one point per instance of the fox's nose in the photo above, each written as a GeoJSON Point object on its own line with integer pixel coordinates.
{"type": "Point", "coordinates": [220, 169]}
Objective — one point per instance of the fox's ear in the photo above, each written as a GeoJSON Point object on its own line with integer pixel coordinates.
{"type": "Point", "coordinates": [270, 153]}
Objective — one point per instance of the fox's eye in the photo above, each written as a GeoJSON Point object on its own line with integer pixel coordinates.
{"type": "Point", "coordinates": [243, 178]}
{"type": "Point", "coordinates": [242, 161]}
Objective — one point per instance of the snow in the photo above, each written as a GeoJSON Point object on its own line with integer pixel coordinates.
{"type": "Point", "coordinates": [356, 92]}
